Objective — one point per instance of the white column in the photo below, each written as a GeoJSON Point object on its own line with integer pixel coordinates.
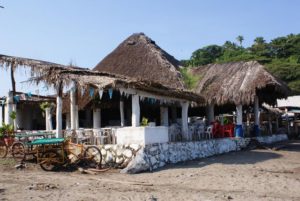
{"type": "Point", "coordinates": [14, 108]}
{"type": "Point", "coordinates": [256, 110]}
{"type": "Point", "coordinates": [58, 116]}
{"type": "Point", "coordinates": [68, 121]}
{"type": "Point", "coordinates": [76, 117]}
{"type": "Point", "coordinates": [1, 120]}
{"type": "Point", "coordinates": [184, 119]}
{"type": "Point", "coordinates": [73, 110]}
{"type": "Point", "coordinates": [164, 116]}
{"type": "Point", "coordinates": [135, 116]}
{"type": "Point", "coordinates": [48, 118]}
{"type": "Point", "coordinates": [97, 118]}
{"type": "Point", "coordinates": [122, 113]}
{"type": "Point", "coordinates": [210, 113]}
{"type": "Point", "coordinates": [9, 108]}
{"type": "Point", "coordinates": [239, 115]}
{"type": "Point", "coordinates": [239, 121]}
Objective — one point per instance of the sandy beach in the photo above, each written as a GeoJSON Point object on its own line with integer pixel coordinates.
{"type": "Point", "coordinates": [247, 175]}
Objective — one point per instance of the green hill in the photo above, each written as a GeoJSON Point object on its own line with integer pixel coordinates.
{"type": "Point", "coordinates": [281, 56]}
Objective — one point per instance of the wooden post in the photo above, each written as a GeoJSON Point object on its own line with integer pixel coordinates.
{"type": "Point", "coordinates": [97, 118]}
{"type": "Point", "coordinates": [135, 116]}
{"type": "Point", "coordinates": [59, 111]}
{"type": "Point", "coordinates": [256, 117]}
{"type": "Point", "coordinates": [184, 119]}
{"type": "Point", "coordinates": [164, 116]}
{"type": "Point", "coordinates": [122, 112]}
{"type": "Point", "coordinates": [239, 121]}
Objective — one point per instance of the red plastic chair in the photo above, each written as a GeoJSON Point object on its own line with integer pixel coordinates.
{"type": "Point", "coordinates": [228, 130]}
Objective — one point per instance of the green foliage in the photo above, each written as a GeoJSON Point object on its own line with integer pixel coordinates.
{"type": "Point", "coordinates": [189, 79]}
{"type": "Point", "coordinates": [45, 105]}
{"type": "Point", "coordinates": [13, 115]}
{"type": "Point", "coordinates": [144, 121]}
{"type": "Point", "coordinates": [281, 56]}
{"type": "Point", "coordinates": [6, 129]}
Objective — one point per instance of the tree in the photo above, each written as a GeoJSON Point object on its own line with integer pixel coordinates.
{"type": "Point", "coordinates": [240, 39]}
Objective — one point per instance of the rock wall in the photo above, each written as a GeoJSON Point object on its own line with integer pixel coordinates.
{"type": "Point", "coordinates": [153, 156]}
{"type": "Point", "coordinates": [118, 155]}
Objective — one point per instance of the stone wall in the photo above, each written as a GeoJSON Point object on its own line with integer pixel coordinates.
{"type": "Point", "coordinates": [118, 156]}
{"type": "Point", "coordinates": [153, 156]}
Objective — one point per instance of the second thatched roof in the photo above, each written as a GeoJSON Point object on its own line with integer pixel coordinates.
{"type": "Point", "coordinates": [238, 83]}
{"type": "Point", "coordinates": [139, 57]}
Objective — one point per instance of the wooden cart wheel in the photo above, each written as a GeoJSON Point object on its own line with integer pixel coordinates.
{"type": "Point", "coordinates": [18, 151]}
{"type": "Point", "coordinates": [51, 161]}
{"type": "Point", "coordinates": [3, 149]}
{"type": "Point", "coordinates": [92, 157]}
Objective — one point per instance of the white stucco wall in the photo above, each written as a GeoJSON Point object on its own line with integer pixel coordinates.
{"type": "Point", "coordinates": [142, 135]}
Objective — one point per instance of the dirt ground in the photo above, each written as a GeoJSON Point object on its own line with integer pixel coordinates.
{"type": "Point", "coordinates": [246, 175]}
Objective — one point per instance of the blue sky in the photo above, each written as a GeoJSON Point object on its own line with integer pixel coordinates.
{"type": "Point", "coordinates": [86, 31]}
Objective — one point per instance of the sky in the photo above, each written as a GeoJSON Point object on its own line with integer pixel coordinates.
{"type": "Point", "coordinates": [84, 32]}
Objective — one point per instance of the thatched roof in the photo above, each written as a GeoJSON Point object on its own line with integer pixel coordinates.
{"type": "Point", "coordinates": [141, 58]}
{"type": "Point", "coordinates": [56, 74]}
{"type": "Point", "coordinates": [238, 83]}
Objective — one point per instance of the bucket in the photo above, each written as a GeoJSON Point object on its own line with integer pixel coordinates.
{"type": "Point", "coordinates": [239, 131]}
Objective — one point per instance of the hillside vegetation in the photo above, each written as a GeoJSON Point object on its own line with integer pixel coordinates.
{"type": "Point", "coordinates": [281, 56]}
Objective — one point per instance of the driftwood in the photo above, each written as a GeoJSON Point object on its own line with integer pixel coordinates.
{"type": "Point", "coordinates": [137, 183]}
{"type": "Point", "coordinates": [91, 170]}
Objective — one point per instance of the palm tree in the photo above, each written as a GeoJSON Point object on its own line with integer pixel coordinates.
{"type": "Point", "coordinates": [240, 39]}
{"type": "Point", "coordinates": [259, 40]}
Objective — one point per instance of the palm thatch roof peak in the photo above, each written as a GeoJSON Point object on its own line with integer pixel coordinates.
{"type": "Point", "coordinates": [141, 58]}
{"type": "Point", "coordinates": [238, 83]}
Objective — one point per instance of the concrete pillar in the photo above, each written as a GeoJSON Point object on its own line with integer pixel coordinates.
{"type": "Point", "coordinates": [122, 113]}
{"type": "Point", "coordinates": [256, 117]}
{"type": "Point", "coordinates": [9, 108]}
{"type": "Point", "coordinates": [210, 113]}
{"type": "Point", "coordinates": [58, 116]}
{"type": "Point", "coordinates": [1, 116]}
{"type": "Point", "coordinates": [73, 110]}
{"type": "Point", "coordinates": [184, 119]}
{"type": "Point", "coordinates": [48, 118]}
{"type": "Point", "coordinates": [164, 116]}
{"type": "Point", "coordinates": [14, 108]}
{"type": "Point", "coordinates": [135, 116]}
{"type": "Point", "coordinates": [97, 118]}
{"type": "Point", "coordinates": [239, 121]}
{"type": "Point", "coordinates": [68, 121]}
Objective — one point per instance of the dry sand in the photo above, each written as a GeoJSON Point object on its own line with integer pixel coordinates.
{"type": "Point", "coordinates": [246, 175]}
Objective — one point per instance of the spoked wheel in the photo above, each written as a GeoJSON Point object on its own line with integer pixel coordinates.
{"type": "Point", "coordinates": [18, 151]}
{"type": "Point", "coordinates": [51, 161]}
{"type": "Point", "coordinates": [92, 157]}
{"type": "Point", "coordinates": [3, 150]}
